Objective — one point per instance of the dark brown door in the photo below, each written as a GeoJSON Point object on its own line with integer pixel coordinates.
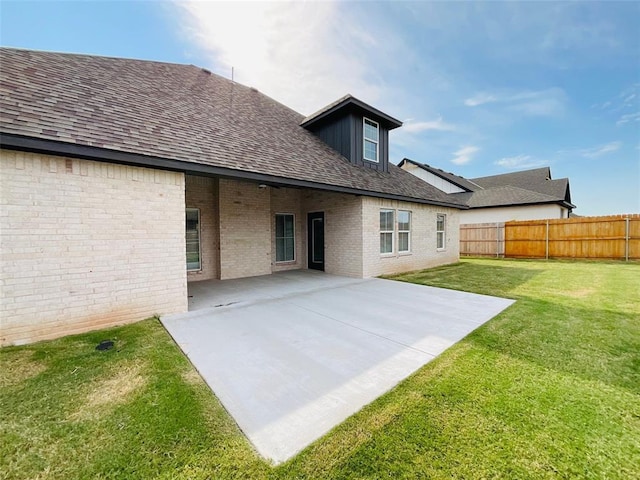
{"type": "Point", "coordinates": [315, 229]}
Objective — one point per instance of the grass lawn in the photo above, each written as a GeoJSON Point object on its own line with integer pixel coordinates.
{"type": "Point", "coordinates": [548, 389]}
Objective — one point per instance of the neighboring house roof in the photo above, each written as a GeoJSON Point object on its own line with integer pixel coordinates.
{"type": "Point", "coordinates": [526, 187]}
{"type": "Point", "coordinates": [501, 196]}
{"type": "Point", "coordinates": [178, 117]}
{"type": "Point", "coordinates": [448, 176]}
{"type": "Point", "coordinates": [537, 179]}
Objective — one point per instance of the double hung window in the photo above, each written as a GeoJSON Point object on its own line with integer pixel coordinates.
{"type": "Point", "coordinates": [192, 237]}
{"type": "Point", "coordinates": [386, 231]}
{"type": "Point", "coordinates": [441, 231]}
{"type": "Point", "coordinates": [285, 237]}
{"type": "Point", "coordinates": [371, 140]}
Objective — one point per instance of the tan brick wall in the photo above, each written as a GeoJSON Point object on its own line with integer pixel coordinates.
{"type": "Point", "coordinates": [423, 238]}
{"type": "Point", "coordinates": [86, 245]}
{"type": "Point", "coordinates": [245, 229]}
{"type": "Point", "coordinates": [202, 193]}
{"type": "Point", "coordinates": [342, 230]}
{"type": "Point", "coordinates": [289, 200]}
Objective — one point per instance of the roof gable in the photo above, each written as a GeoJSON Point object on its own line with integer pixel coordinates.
{"type": "Point", "coordinates": [346, 105]}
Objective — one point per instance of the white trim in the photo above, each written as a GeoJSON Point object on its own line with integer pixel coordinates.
{"type": "Point", "coordinates": [365, 140]}
{"type": "Point", "coordinates": [392, 231]}
{"type": "Point", "coordinates": [199, 269]}
{"type": "Point", "coordinates": [443, 231]}
{"type": "Point", "coordinates": [275, 238]}
{"type": "Point", "coordinates": [408, 232]}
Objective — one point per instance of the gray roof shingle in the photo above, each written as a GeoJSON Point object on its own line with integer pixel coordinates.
{"type": "Point", "coordinates": [502, 196]}
{"type": "Point", "coordinates": [178, 112]}
{"type": "Point", "coordinates": [537, 180]}
{"type": "Point", "coordinates": [516, 188]}
{"type": "Point", "coordinates": [448, 176]}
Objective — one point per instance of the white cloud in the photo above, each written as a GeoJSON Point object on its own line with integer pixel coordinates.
{"type": "Point", "coordinates": [519, 161]}
{"type": "Point", "coordinates": [300, 53]}
{"type": "Point", "coordinates": [415, 127]}
{"type": "Point", "coordinates": [464, 155]}
{"type": "Point", "coordinates": [480, 99]}
{"type": "Point", "coordinates": [600, 150]}
{"type": "Point", "coordinates": [549, 102]}
{"type": "Point", "coordinates": [628, 117]}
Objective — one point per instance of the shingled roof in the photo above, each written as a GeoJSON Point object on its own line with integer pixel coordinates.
{"type": "Point", "coordinates": [537, 180]}
{"type": "Point", "coordinates": [178, 117]}
{"type": "Point", "coordinates": [457, 180]}
{"type": "Point", "coordinates": [526, 187]}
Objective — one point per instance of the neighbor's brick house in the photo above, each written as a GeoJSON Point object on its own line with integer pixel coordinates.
{"type": "Point", "coordinates": [123, 180]}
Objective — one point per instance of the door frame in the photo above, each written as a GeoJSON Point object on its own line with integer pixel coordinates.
{"type": "Point", "coordinates": [314, 219]}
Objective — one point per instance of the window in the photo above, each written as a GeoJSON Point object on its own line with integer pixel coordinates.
{"type": "Point", "coordinates": [371, 138]}
{"type": "Point", "coordinates": [193, 239]}
{"type": "Point", "coordinates": [440, 231]}
{"type": "Point", "coordinates": [285, 238]}
{"type": "Point", "coordinates": [404, 231]}
{"type": "Point", "coordinates": [386, 231]}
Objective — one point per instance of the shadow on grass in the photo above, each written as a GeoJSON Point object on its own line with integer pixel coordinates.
{"type": "Point", "coordinates": [500, 281]}
{"type": "Point", "coordinates": [597, 345]}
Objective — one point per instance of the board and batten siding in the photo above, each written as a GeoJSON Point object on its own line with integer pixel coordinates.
{"type": "Point", "coordinates": [86, 245]}
{"type": "Point", "coordinates": [345, 135]}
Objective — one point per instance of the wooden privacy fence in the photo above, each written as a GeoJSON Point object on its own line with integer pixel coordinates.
{"type": "Point", "coordinates": [482, 239]}
{"type": "Point", "coordinates": [610, 237]}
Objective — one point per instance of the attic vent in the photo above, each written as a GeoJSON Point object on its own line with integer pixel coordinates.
{"type": "Point", "coordinates": [208, 72]}
{"type": "Point", "coordinates": [253, 89]}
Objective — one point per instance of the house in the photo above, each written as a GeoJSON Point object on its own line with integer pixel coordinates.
{"type": "Point", "coordinates": [523, 195]}
{"type": "Point", "coordinates": [123, 180]}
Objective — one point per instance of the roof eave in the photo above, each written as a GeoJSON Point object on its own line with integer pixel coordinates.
{"type": "Point", "coordinates": [73, 150]}
{"type": "Point", "coordinates": [435, 172]}
{"type": "Point", "coordinates": [347, 102]}
{"type": "Point", "coordinates": [527, 204]}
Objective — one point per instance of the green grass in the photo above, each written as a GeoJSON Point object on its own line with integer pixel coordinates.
{"type": "Point", "coordinates": [548, 389]}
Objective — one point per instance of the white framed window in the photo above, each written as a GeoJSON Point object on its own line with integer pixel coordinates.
{"type": "Point", "coordinates": [404, 231]}
{"type": "Point", "coordinates": [371, 139]}
{"type": "Point", "coordinates": [192, 237]}
{"type": "Point", "coordinates": [285, 237]}
{"type": "Point", "coordinates": [386, 231]}
{"type": "Point", "coordinates": [441, 225]}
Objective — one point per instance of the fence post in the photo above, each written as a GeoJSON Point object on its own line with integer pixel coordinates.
{"type": "Point", "coordinates": [547, 243]}
{"type": "Point", "coordinates": [497, 240]}
{"type": "Point", "coordinates": [626, 239]}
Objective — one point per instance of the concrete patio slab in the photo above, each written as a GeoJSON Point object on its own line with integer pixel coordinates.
{"type": "Point", "coordinates": [293, 354]}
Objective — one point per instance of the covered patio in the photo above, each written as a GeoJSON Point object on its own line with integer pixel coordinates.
{"type": "Point", "coordinates": [292, 354]}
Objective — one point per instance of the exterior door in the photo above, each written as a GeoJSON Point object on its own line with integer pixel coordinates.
{"type": "Point", "coordinates": [315, 229]}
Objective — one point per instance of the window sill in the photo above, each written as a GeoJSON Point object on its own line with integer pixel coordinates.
{"type": "Point", "coordinates": [404, 254]}
{"type": "Point", "coordinates": [286, 262]}
{"type": "Point", "coordinates": [441, 249]}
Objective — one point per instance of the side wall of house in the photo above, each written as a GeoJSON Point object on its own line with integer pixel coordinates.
{"type": "Point", "coordinates": [86, 245]}
{"type": "Point", "coordinates": [342, 230]}
{"type": "Point", "coordinates": [423, 248]}
{"type": "Point", "coordinates": [245, 229]}
{"type": "Point", "coordinates": [289, 200]}
{"type": "Point", "coordinates": [505, 214]}
{"type": "Point", "coordinates": [202, 193]}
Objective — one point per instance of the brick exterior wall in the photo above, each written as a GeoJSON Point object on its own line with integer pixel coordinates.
{"type": "Point", "coordinates": [342, 230]}
{"type": "Point", "coordinates": [202, 193]}
{"type": "Point", "coordinates": [289, 200]}
{"type": "Point", "coordinates": [245, 229]}
{"type": "Point", "coordinates": [86, 245]}
{"type": "Point", "coordinates": [423, 254]}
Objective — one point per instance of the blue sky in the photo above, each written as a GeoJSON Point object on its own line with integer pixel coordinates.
{"type": "Point", "coordinates": [482, 88]}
